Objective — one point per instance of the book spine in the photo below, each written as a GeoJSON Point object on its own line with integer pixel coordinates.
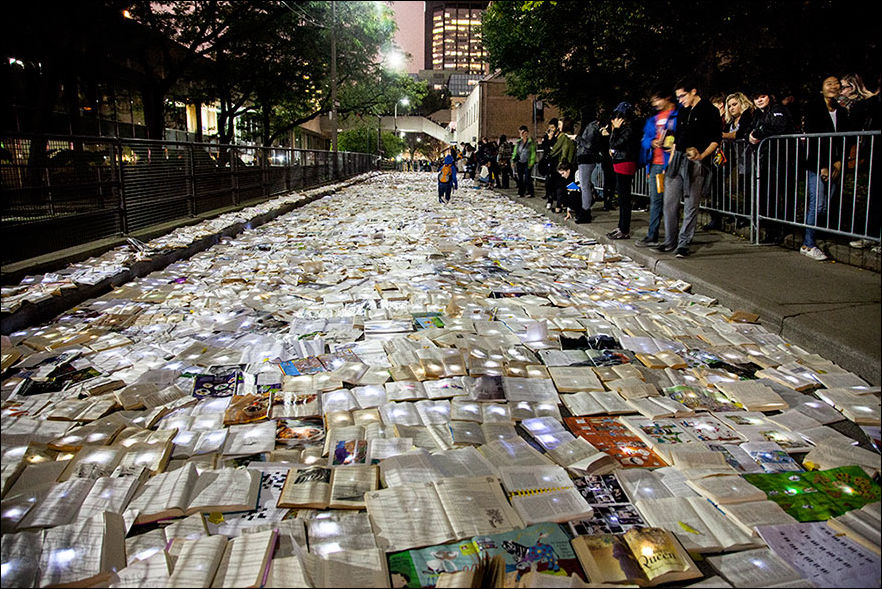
{"type": "Point", "coordinates": [527, 492]}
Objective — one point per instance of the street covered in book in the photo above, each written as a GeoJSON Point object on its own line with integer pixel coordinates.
{"type": "Point", "coordinates": [381, 390]}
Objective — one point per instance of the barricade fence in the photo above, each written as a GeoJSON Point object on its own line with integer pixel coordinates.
{"type": "Point", "coordinates": [822, 181]}
{"type": "Point", "coordinates": [62, 191]}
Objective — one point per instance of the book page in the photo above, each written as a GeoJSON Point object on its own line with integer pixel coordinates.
{"type": "Point", "coordinates": [554, 505]}
{"type": "Point", "coordinates": [678, 515]}
{"type": "Point", "coordinates": [757, 513]}
{"type": "Point", "coordinates": [287, 572]}
{"type": "Point", "coordinates": [729, 535]}
{"type": "Point", "coordinates": [368, 567]}
{"type": "Point", "coordinates": [512, 451]}
{"type": "Point", "coordinates": [476, 506]}
{"type": "Point", "coordinates": [306, 487]}
{"type": "Point", "coordinates": [725, 490]}
{"type": "Point", "coordinates": [350, 483]}
{"type": "Point", "coordinates": [148, 572]}
{"type": "Point", "coordinates": [754, 568]}
{"type": "Point", "coordinates": [642, 484]}
{"type": "Point", "coordinates": [197, 561]}
{"type": "Point", "coordinates": [20, 555]}
{"type": "Point", "coordinates": [245, 560]}
{"type": "Point", "coordinates": [228, 489]}
{"type": "Point", "coordinates": [823, 557]}
{"type": "Point", "coordinates": [83, 550]}
{"type": "Point", "coordinates": [518, 479]}
{"type": "Point", "coordinates": [582, 403]}
{"type": "Point", "coordinates": [109, 494]}
{"type": "Point", "coordinates": [405, 517]}
{"type": "Point", "coordinates": [61, 505]}
{"type": "Point", "coordinates": [410, 468]}
{"type": "Point", "coordinates": [462, 462]}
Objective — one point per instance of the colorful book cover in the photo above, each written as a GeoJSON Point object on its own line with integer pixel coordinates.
{"type": "Point", "coordinates": [308, 365]}
{"type": "Point", "coordinates": [699, 399]}
{"type": "Point", "coordinates": [331, 362]}
{"type": "Point", "coordinates": [818, 495]}
{"type": "Point", "coordinates": [288, 368]}
{"type": "Point", "coordinates": [427, 320]}
{"type": "Point", "coordinates": [609, 435]}
{"type": "Point", "coordinates": [300, 432]}
{"type": "Point", "coordinates": [601, 489]}
{"type": "Point", "coordinates": [219, 381]}
{"type": "Point", "coordinates": [545, 546]}
{"type": "Point", "coordinates": [349, 452]}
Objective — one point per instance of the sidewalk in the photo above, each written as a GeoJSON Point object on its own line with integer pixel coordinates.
{"type": "Point", "coordinates": [831, 309]}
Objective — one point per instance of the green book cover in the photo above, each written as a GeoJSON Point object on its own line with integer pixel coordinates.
{"type": "Point", "coordinates": [818, 495]}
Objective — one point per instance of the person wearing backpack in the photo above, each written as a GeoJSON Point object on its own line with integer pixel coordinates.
{"type": "Point", "coordinates": [447, 180]}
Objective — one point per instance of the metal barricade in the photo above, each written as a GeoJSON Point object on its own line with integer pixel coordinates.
{"type": "Point", "coordinates": [819, 181]}
{"type": "Point", "coordinates": [62, 191]}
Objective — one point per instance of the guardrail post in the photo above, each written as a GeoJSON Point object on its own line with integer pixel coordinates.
{"type": "Point", "coordinates": [191, 180]}
{"type": "Point", "coordinates": [234, 173]}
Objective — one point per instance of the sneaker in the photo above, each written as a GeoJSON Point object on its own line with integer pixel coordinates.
{"type": "Point", "coordinates": [664, 247]}
{"type": "Point", "coordinates": [548, 206]}
{"type": "Point", "coordinates": [646, 242]}
{"type": "Point", "coordinates": [612, 234]}
{"type": "Point", "coordinates": [682, 252]}
{"type": "Point", "coordinates": [860, 244]}
{"type": "Point", "coordinates": [620, 235]}
{"type": "Point", "coordinates": [813, 252]}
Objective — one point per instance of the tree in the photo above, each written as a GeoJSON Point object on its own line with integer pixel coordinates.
{"type": "Point", "coordinates": [598, 53]}
{"type": "Point", "coordinates": [363, 138]}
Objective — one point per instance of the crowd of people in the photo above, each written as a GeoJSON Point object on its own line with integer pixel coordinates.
{"type": "Point", "coordinates": [679, 146]}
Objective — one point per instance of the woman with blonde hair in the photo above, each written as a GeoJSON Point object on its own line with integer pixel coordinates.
{"type": "Point", "coordinates": [739, 116]}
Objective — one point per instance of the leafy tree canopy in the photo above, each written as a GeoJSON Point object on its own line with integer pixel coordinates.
{"type": "Point", "coordinates": [595, 54]}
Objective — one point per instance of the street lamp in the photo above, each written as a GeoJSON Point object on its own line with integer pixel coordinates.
{"type": "Point", "coordinates": [404, 102]}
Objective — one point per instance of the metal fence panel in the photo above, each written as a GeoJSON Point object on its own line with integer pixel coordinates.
{"type": "Point", "coordinates": [62, 191]}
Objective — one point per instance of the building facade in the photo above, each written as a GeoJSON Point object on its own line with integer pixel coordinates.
{"type": "Point", "coordinates": [452, 38]}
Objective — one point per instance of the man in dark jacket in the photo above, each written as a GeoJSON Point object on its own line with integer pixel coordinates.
{"type": "Point", "coordinates": [548, 165]}
{"type": "Point", "coordinates": [689, 175]}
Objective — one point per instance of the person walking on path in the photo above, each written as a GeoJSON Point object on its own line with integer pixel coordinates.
{"type": "Point", "coordinates": [524, 158]}
{"type": "Point", "coordinates": [658, 139]}
{"type": "Point", "coordinates": [689, 175]}
{"type": "Point", "coordinates": [447, 181]}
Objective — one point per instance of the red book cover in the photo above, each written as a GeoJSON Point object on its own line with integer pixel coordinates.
{"type": "Point", "coordinates": [609, 435]}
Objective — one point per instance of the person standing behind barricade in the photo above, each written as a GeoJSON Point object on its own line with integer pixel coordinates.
{"type": "Point", "coordinates": [587, 157]}
{"type": "Point", "coordinates": [688, 174]}
{"type": "Point", "coordinates": [503, 162]}
{"type": "Point", "coordinates": [447, 181]}
{"type": "Point", "coordinates": [624, 148]}
{"type": "Point", "coordinates": [656, 147]}
{"type": "Point", "coordinates": [823, 159]}
{"type": "Point", "coordinates": [739, 123]}
{"type": "Point", "coordinates": [564, 152]}
{"type": "Point", "coordinates": [774, 175]}
{"type": "Point", "coordinates": [524, 158]}
{"type": "Point", "coordinates": [717, 188]}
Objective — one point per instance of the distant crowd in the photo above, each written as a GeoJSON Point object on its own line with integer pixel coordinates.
{"type": "Point", "coordinates": [678, 146]}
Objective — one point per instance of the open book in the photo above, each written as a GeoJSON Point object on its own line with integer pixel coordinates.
{"type": "Point", "coordinates": [317, 487]}
{"type": "Point", "coordinates": [84, 553]}
{"type": "Point", "coordinates": [543, 494]}
{"type": "Point", "coordinates": [642, 556]}
{"type": "Point", "coordinates": [698, 525]}
{"type": "Point", "coordinates": [183, 491]}
{"type": "Point", "coordinates": [434, 513]}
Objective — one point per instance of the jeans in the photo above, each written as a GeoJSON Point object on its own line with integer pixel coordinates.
{"type": "Point", "coordinates": [444, 190]}
{"type": "Point", "coordinates": [688, 180]}
{"type": "Point", "coordinates": [587, 186]}
{"type": "Point", "coordinates": [525, 179]}
{"type": "Point", "coordinates": [816, 204]}
{"type": "Point", "coordinates": [656, 202]}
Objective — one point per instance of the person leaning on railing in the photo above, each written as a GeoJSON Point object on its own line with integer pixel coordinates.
{"type": "Point", "coordinates": [740, 115]}
{"type": "Point", "coordinates": [823, 159]}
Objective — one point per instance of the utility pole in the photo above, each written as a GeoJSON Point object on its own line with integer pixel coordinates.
{"type": "Point", "coordinates": [334, 122]}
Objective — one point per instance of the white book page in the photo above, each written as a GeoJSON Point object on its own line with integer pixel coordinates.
{"type": "Point", "coordinates": [462, 462]}
{"type": "Point", "coordinates": [168, 490]}
{"type": "Point", "coordinates": [554, 506]}
{"type": "Point", "coordinates": [513, 452]}
{"type": "Point", "coordinates": [677, 515]}
{"type": "Point", "coordinates": [411, 468]}
{"type": "Point", "coordinates": [611, 402]}
{"type": "Point", "coordinates": [226, 487]}
{"type": "Point", "coordinates": [60, 507]}
{"type": "Point", "coordinates": [382, 448]}
{"type": "Point", "coordinates": [287, 572]}
{"type": "Point", "coordinates": [82, 550]}
{"type": "Point", "coordinates": [476, 506]}
{"type": "Point", "coordinates": [350, 483]}
{"type": "Point", "coordinates": [532, 478]}
{"type": "Point", "coordinates": [307, 486]}
{"type": "Point", "coordinates": [675, 481]}
{"type": "Point", "coordinates": [145, 545]}
{"type": "Point", "coordinates": [582, 403]}
{"type": "Point", "coordinates": [730, 536]}
{"type": "Point", "coordinates": [20, 556]}
{"type": "Point", "coordinates": [251, 438]}
{"type": "Point", "coordinates": [109, 494]}
{"type": "Point", "coordinates": [754, 568]}
{"type": "Point", "coordinates": [197, 561]}
{"type": "Point", "coordinates": [408, 516]}
{"type": "Point", "coordinates": [577, 453]}
{"type": "Point", "coordinates": [341, 568]}
{"type": "Point", "coordinates": [726, 490]}
{"type": "Point", "coordinates": [245, 560]}
{"type": "Point", "coordinates": [149, 572]}
{"type": "Point", "coordinates": [757, 513]}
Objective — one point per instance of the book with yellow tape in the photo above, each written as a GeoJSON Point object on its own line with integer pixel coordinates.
{"type": "Point", "coordinates": [543, 494]}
